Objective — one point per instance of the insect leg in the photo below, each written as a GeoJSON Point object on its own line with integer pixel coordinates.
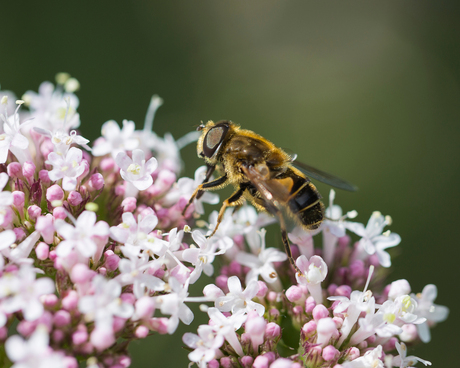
{"type": "Point", "coordinates": [209, 172]}
{"type": "Point", "coordinates": [234, 200]}
{"type": "Point", "coordinates": [284, 236]}
{"type": "Point", "coordinates": [215, 184]}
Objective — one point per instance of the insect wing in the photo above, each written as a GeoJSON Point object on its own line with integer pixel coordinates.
{"type": "Point", "coordinates": [324, 177]}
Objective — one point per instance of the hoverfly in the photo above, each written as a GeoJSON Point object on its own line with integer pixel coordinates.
{"type": "Point", "coordinates": [263, 174]}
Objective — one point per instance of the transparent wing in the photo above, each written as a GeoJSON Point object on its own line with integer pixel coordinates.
{"type": "Point", "coordinates": [324, 177]}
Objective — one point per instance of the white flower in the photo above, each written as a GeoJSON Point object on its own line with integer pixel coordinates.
{"type": "Point", "coordinates": [206, 344]}
{"type": "Point", "coordinates": [24, 292]}
{"type": "Point", "coordinates": [18, 254]}
{"type": "Point", "coordinates": [262, 262]}
{"type": "Point", "coordinates": [35, 352]}
{"type": "Point", "coordinates": [133, 272]}
{"type": "Point", "coordinates": [201, 257]}
{"type": "Point", "coordinates": [12, 139]}
{"type": "Point", "coordinates": [116, 139]}
{"type": "Point", "coordinates": [53, 109]}
{"type": "Point", "coordinates": [403, 361]}
{"type": "Point", "coordinates": [238, 299]}
{"type": "Point", "coordinates": [226, 326]}
{"type": "Point", "coordinates": [136, 170]}
{"type": "Point", "coordinates": [432, 312]}
{"type": "Point", "coordinates": [104, 303]}
{"type": "Point", "coordinates": [371, 359]}
{"type": "Point", "coordinates": [314, 272]}
{"type": "Point", "coordinates": [79, 237]}
{"type": "Point", "coordinates": [68, 167]}
{"type": "Point", "coordinates": [174, 304]}
{"type": "Point", "coordinates": [373, 241]}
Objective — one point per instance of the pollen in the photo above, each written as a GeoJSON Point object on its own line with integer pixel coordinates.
{"type": "Point", "coordinates": [134, 169]}
{"type": "Point", "coordinates": [64, 168]}
{"type": "Point", "coordinates": [4, 100]}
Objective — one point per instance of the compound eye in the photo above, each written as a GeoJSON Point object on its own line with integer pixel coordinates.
{"type": "Point", "coordinates": [213, 139]}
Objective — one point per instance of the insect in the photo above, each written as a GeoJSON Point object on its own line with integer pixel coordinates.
{"type": "Point", "coordinates": [263, 174]}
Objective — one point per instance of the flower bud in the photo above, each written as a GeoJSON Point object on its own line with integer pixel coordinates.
{"type": "Point", "coordinates": [20, 234]}
{"type": "Point", "coordinates": [81, 274]}
{"type": "Point", "coordinates": [247, 361]}
{"type": "Point", "coordinates": [111, 260]}
{"type": "Point", "coordinates": [28, 170]}
{"type": "Point", "coordinates": [294, 293]}
{"type": "Point", "coordinates": [141, 332]}
{"type": "Point", "coordinates": [320, 311]}
{"type": "Point", "coordinates": [44, 177]}
{"type": "Point", "coordinates": [80, 336]}
{"type": "Point", "coordinates": [263, 289]}
{"type": "Point", "coordinates": [58, 336]}
{"type": "Point", "coordinates": [129, 204]}
{"type": "Point", "coordinates": [102, 338]}
{"type": "Point", "coordinates": [33, 212]}
{"type": "Point", "coordinates": [107, 164]}
{"type": "Point", "coordinates": [59, 213]}
{"type": "Point", "coordinates": [260, 362]}
{"type": "Point", "coordinates": [18, 199]}
{"type": "Point", "coordinates": [49, 300]}
{"type": "Point", "coordinates": [74, 198]}
{"type": "Point", "coordinates": [272, 331]}
{"type": "Point", "coordinates": [61, 318]}
{"type": "Point", "coordinates": [343, 290]}
{"type": "Point", "coordinates": [14, 170]}
{"type": "Point", "coordinates": [399, 288]}
{"type": "Point", "coordinates": [330, 353]}
{"type": "Point", "coordinates": [95, 182]}
{"type": "Point", "coordinates": [54, 193]}
{"type": "Point", "coordinates": [70, 362]}
{"type": "Point", "coordinates": [70, 301]}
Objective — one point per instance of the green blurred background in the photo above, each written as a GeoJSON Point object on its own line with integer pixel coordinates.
{"type": "Point", "coordinates": [366, 90]}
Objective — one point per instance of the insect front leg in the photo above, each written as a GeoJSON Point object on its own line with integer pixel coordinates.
{"type": "Point", "coordinates": [234, 200]}
{"type": "Point", "coordinates": [209, 171]}
{"type": "Point", "coordinates": [212, 185]}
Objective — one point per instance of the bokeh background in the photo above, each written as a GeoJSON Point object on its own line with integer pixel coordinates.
{"type": "Point", "coordinates": [366, 90]}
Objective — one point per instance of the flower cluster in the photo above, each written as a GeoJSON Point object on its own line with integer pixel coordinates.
{"type": "Point", "coordinates": [96, 251]}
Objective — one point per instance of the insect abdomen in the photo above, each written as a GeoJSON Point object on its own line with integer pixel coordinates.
{"type": "Point", "coordinates": [305, 202]}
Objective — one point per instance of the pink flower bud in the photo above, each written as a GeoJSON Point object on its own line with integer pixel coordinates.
{"type": "Point", "coordinates": [52, 255]}
{"type": "Point", "coordinates": [159, 325]}
{"type": "Point", "coordinates": [102, 271]}
{"type": "Point", "coordinates": [118, 324]}
{"type": "Point", "coordinates": [59, 213]}
{"type": "Point", "coordinates": [214, 363]}
{"type": "Point", "coordinates": [128, 298]}
{"type": "Point", "coordinates": [226, 362]}
{"type": "Point", "coordinates": [124, 361]}
{"type": "Point", "coordinates": [86, 165]}
{"type": "Point", "coordinates": [46, 147]}
{"type": "Point", "coordinates": [310, 304]}
{"type": "Point", "coordinates": [80, 336]}
{"type": "Point", "coordinates": [81, 274]}
{"type": "Point", "coordinates": [95, 182]}
{"type": "Point", "coordinates": [294, 293]}
{"type": "Point", "coordinates": [297, 310]}
{"type": "Point", "coordinates": [320, 311]}
{"type": "Point", "coordinates": [145, 307]}
{"type": "Point", "coordinates": [54, 193]}
{"type": "Point", "coordinates": [141, 332]}
{"type": "Point", "coordinates": [331, 289]}
{"type": "Point", "coordinates": [391, 344]}
{"type": "Point", "coordinates": [234, 268]}
{"type": "Point", "coordinates": [120, 191]}
{"type": "Point", "coordinates": [111, 260]}
{"type": "Point", "coordinates": [270, 356]}
{"type": "Point", "coordinates": [46, 319]}
{"type": "Point", "coordinates": [74, 198]}
{"type": "Point", "coordinates": [247, 361]}
{"type": "Point", "coordinates": [20, 234]}
{"type": "Point", "coordinates": [221, 282]}
{"type": "Point", "coordinates": [70, 362]}
{"type": "Point", "coordinates": [3, 333]}
{"type": "Point", "coordinates": [309, 328]}
{"type": "Point", "coordinates": [330, 353]}
{"type": "Point", "coordinates": [274, 312]}
{"type": "Point", "coordinates": [34, 211]}
{"type": "Point", "coordinates": [18, 199]}
{"type": "Point", "coordinates": [58, 336]}
{"type": "Point", "coordinates": [357, 269]}
{"type": "Point", "coordinates": [61, 318]}
{"type": "Point", "coordinates": [49, 300]}
{"type": "Point", "coordinates": [272, 331]}
{"type": "Point", "coordinates": [102, 338]}
{"type": "Point", "coordinates": [26, 328]}
{"type": "Point", "coordinates": [14, 170]}
{"type": "Point", "coordinates": [343, 290]}
{"type": "Point", "coordinates": [107, 164]}
{"type": "Point", "coordinates": [28, 170]}
{"type": "Point", "coordinates": [263, 289]}
{"type": "Point", "coordinates": [352, 353]}
{"type": "Point", "coordinates": [129, 204]}
{"type": "Point", "coordinates": [44, 177]}
{"type": "Point", "coordinates": [260, 362]}
{"type": "Point", "coordinates": [255, 327]}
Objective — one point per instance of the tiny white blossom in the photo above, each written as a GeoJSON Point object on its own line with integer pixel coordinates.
{"type": "Point", "coordinates": [79, 237]}
{"type": "Point", "coordinates": [314, 272]}
{"type": "Point", "coordinates": [226, 326]}
{"type": "Point", "coordinates": [136, 170]}
{"type": "Point", "coordinates": [371, 359]}
{"type": "Point", "coordinates": [34, 352]}
{"type": "Point", "coordinates": [404, 361]}
{"type": "Point", "coordinates": [68, 167]}
{"type": "Point", "coordinates": [206, 344]}
{"type": "Point", "coordinates": [238, 299]}
{"type": "Point", "coordinates": [261, 263]}
{"type": "Point", "coordinates": [116, 140]}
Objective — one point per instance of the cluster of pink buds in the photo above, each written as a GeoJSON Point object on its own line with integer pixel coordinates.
{"type": "Point", "coordinates": [96, 252]}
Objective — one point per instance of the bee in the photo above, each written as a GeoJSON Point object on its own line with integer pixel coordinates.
{"type": "Point", "coordinates": [263, 174]}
